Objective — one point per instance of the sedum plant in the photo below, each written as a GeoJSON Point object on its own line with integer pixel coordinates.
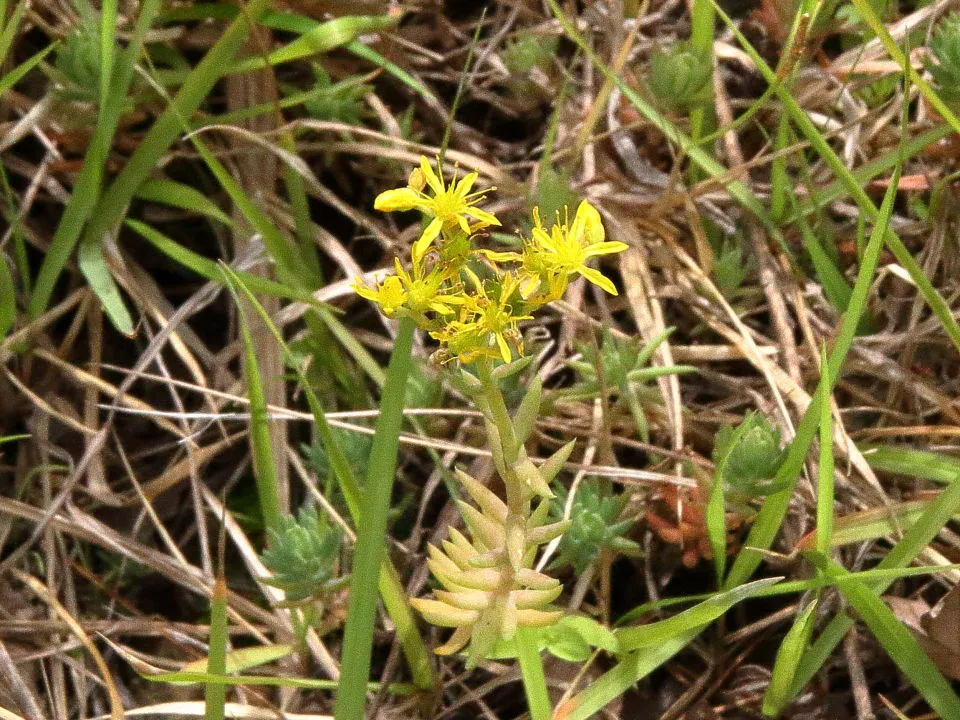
{"type": "Point", "coordinates": [945, 49]}
{"type": "Point", "coordinates": [596, 525]}
{"type": "Point", "coordinates": [680, 77]}
{"type": "Point", "coordinates": [470, 300]}
{"type": "Point", "coordinates": [303, 556]}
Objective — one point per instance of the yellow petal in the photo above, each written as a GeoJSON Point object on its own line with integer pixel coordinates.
{"type": "Point", "coordinates": [504, 348]}
{"type": "Point", "coordinates": [588, 223]}
{"type": "Point", "coordinates": [605, 248]}
{"type": "Point", "coordinates": [465, 185]}
{"type": "Point", "coordinates": [597, 278]}
{"type": "Point", "coordinates": [363, 290]}
{"type": "Point", "coordinates": [421, 246]}
{"type": "Point", "coordinates": [500, 257]}
{"type": "Point", "coordinates": [397, 199]}
{"type": "Point", "coordinates": [435, 183]}
{"type": "Point", "coordinates": [483, 216]}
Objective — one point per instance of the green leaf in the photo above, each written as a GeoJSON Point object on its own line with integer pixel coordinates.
{"type": "Point", "coordinates": [237, 661]}
{"type": "Point", "coordinates": [778, 694]}
{"type": "Point", "coordinates": [168, 192]}
{"type": "Point", "coordinates": [8, 298]}
{"type": "Point", "coordinates": [657, 633]}
{"type": "Point", "coordinates": [897, 640]}
{"type": "Point", "coordinates": [320, 39]}
{"type": "Point", "coordinates": [372, 526]}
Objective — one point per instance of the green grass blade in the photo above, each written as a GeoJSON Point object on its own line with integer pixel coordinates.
{"type": "Point", "coordinates": [900, 644]}
{"type": "Point", "coordinates": [391, 588]}
{"type": "Point", "coordinates": [210, 269]}
{"type": "Point", "coordinates": [821, 197]}
{"type": "Point", "coordinates": [623, 676]}
{"type": "Point", "coordinates": [914, 540]}
{"type": "Point", "coordinates": [825, 489]}
{"type": "Point", "coordinates": [898, 56]}
{"type": "Point", "coordinates": [94, 267]}
{"type": "Point", "coordinates": [183, 678]}
{"type": "Point", "coordinates": [774, 509]}
{"type": "Point", "coordinates": [215, 695]}
{"type": "Point", "coordinates": [108, 41]}
{"type": "Point", "coordinates": [792, 587]}
{"type": "Point", "coordinates": [908, 461]}
{"type": "Point", "coordinates": [716, 515]}
{"type": "Point", "coordinates": [174, 194]}
{"type": "Point", "coordinates": [372, 527]}
{"type": "Point", "coordinates": [702, 26]}
{"type": "Point", "coordinates": [11, 27]}
{"type": "Point", "coordinates": [320, 39]}
{"type": "Point", "coordinates": [871, 524]}
{"type": "Point", "coordinates": [112, 206]}
{"type": "Point", "coordinates": [86, 189]}
{"type": "Point", "coordinates": [296, 23]}
{"type": "Point", "coordinates": [778, 694]}
{"type": "Point", "coordinates": [737, 189]}
{"type": "Point", "coordinates": [645, 636]}
{"type": "Point", "coordinates": [264, 469]}
{"type": "Point", "coordinates": [17, 73]}
{"type": "Point", "coordinates": [8, 298]}
{"type": "Point", "coordinates": [928, 292]}
{"type": "Point", "coordinates": [834, 285]}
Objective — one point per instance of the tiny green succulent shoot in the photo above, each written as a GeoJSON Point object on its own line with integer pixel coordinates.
{"type": "Point", "coordinates": [749, 455]}
{"type": "Point", "coordinates": [529, 50]}
{"type": "Point", "coordinates": [303, 556]}
{"type": "Point", "coordinates": [78, 63]}
{"type": "Point", "coordinates": [356, 447]}
{"type": "Point", "coordinates": [595, 525]}
{"type": "Point", "coordinates": [625, 365]}
{"type": "Point", "coordinates": [680, 77]}
{"type": "Point", "coordinates": [731, 267]}
{"type": "Point", "coordinates": [340, 101]}
{"type": "Point", "coordinates": [945, 63]}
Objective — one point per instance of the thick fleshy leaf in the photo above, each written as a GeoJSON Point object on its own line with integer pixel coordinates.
{"type": "Point", "coordinates": [438, 613]}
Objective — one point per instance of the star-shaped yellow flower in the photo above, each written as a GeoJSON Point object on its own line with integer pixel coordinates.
{"type": "Point", "coordinates": [424, 292]}
{"type": "Point", "coordinates": [451, 206]}
{"type": "Point", "coordinates": [487, 326]}
{"type": "Point", "coordinates": [565, 250]}
{"type": "Point", "coordinates": [389, 294]}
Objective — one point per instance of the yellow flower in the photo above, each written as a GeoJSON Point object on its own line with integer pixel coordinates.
{"type": "Point", "coordinates": [389, 294]}
{"type": "Point", "coordinates": [553, 256]}
{"type": "Point", "coordinates": [451, 206]}
{"type": "Point", "coordinates": [487, 326]}
{"type": "Point", "coordinates": [424, 293]}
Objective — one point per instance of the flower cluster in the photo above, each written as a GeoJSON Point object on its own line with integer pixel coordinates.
{"type": "Point", "coordinates": [471, 300]}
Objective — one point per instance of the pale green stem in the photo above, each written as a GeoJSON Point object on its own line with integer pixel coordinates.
{"type": "Point", "coordinates": [491, 401]}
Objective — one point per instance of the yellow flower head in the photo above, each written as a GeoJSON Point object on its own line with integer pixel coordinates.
{"type": "Point", "coordinates": [487, 327]}
{"type": "Point", "coordinates": [426, 293]}
{"type": "Point", "coordinates": [389, 294]}
{"type": "Point", "coordinates": [451, 206]}
{"type": "Point", "coordinates": [565, 250]}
